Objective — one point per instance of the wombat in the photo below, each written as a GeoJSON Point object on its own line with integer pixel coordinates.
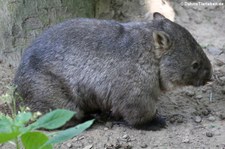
{"type": "Point", "coordinates": [90, 65]}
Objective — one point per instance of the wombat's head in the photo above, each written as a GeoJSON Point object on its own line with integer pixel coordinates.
{"type": "Point", "coordinates": [183, 61]}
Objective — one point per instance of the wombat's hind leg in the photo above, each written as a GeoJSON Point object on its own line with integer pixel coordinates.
{"type": "Point", "coordinates": [142, 114]}
{"type": "Point", "coordinates": [45, 92]}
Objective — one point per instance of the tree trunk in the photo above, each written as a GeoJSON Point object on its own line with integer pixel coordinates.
{"type": "Point", "coordinates": [22, 20]}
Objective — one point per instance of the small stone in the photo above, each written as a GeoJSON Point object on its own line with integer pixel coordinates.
{"type": "Point", "coordinates": [88, 147]}
{"type": "Point", "coordinates": [211, 118]}
{"type": "Point", "coordinates": [186, 140]}
{"type": "Point", "coordinates": [155, 145]}
{"type": "Point", "coordinates": [199, 21]}
{"type": "Point", "coordinates": [81, 138]}
{"type": "Point", "coordinates": [205, 112]}
{"type": "Point", "coordinates": [180, 121]}
{"type": "Point", "coordinates": [209, 134]}
{"type": "Point", "coordinates": [204, 90]}
{"type": "Point", "coordinates": [222, 78]}
{"type": "Point", "coordinates": [219, 62]}
{"type": "Point", "coordinates": [190, 93]}
{"type": "Point", "coordinates": [125, 136]}
{"type": "Point", "coordinates": [106, 128]}
{"type": "Point", "coordinates": [172, 120]}
{"type": "Point", "coordinates": [176, 118]}
{"type": "Point", "coordinates": [222, 116]}
{"type": "Point", "coordinates": [69, 145]}
{"type": "Point", "coordinates": [197, 119]}
{"type": "Point", "coordinates": [144, 146]}
{"type": "Point", "coordinates": [198, 97]}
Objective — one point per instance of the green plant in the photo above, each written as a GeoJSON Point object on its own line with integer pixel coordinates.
{"type": "Point", "coordinates": [18, 129]}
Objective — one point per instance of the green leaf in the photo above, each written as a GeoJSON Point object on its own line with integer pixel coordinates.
{"type": "Point", "coordinates": [5, 124]}
{"type": "Point", "coordinates": [35, 140]}
{"type": "Point", "coordinates": [7, 131]}
{"type": "Point", "coordinates": [5, 137]}
{"type": "Point", "coordinates": [69, 133]}
{"type": "Point", "coordinates": [22, 118]}
{"type": "Point", "coordinates": [53, 119]}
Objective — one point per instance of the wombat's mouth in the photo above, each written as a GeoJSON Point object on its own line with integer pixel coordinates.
{"type": "Point", "coordinates": [202, 82]}
{"type": "Point", "coordinates": [171, 85]}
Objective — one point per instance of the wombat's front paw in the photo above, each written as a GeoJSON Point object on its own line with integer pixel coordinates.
{"type": "Point", "coordinates": [156, 124]}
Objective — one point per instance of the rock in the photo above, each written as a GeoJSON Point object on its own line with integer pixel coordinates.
{"type": "Point", "coordinates": [176, 118]}
{"type": "Point", "coordinates": [214, 51]}
{"type": "Point", "coordinates": [205, 112]}
{"type": "Point", "coordinates": [219, 62]}
{"type": "Point", "coordinates": [204, 89]}
{"type": "Point", "coordinates": [198, 97]}
{"type": "Point", "coordinates": [125, 136]}
{"type": "Point", "coordinates": [186, 140]}
{"type": "Point", "coordinates": [222, 78]}
{"type": "Point", "coordinates": [209, 134]}
{"type": "Point", "coordinates": [222, 116]}
{"type": "Point", "coordinates": [172, 120]}
{"type": "Point", "coordinates": [190, 93]}
{"type": "Point", "coordinates": [198, 21]}
{"type": "Point", "coordinates": [81, 138]}
{"type": "Point", "coordinates": [69, 145]}
{"type": "Point", "coordinates": [211, 118]}
{"type": "Point", "coordinates": [197, 119]}
{"type": "Point", "coordinates": [180, 120]}
{"type": "Point", "coordinates": [144, 146]}
{"type": "Point", "coordinates": [88, 147]}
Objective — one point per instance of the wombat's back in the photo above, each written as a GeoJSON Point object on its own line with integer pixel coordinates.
{"type": "Point", "coordinates": [88, 36]}
{"type": "Point", "coordinates": [89, 65]}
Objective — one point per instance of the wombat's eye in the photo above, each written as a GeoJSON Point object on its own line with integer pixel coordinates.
{"type": "Point", "coordinates": [195, 65]}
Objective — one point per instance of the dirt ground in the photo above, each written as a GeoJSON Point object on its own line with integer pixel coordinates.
{"type": "Point", "coordinates": [195, 115]}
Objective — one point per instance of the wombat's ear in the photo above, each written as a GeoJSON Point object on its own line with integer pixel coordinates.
{"type": "Point", "coordinates": [162, 42]}
{"type": "Point", "coordinates": [158, 16]}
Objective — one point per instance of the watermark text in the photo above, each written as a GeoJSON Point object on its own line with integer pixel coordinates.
{"type": "Point", "coordinates": [202, 4]}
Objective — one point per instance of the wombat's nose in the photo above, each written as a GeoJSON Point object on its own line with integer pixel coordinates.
{"type": "Point", "coordinates": [204, 77]}
{"type": "Point", "coordinates": [207, 76]}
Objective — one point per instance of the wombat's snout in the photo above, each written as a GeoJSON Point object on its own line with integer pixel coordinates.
{"type": "Point", "coordinates": [205, 77]}
{"type": "Point", "coordinates": [208, 75]}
